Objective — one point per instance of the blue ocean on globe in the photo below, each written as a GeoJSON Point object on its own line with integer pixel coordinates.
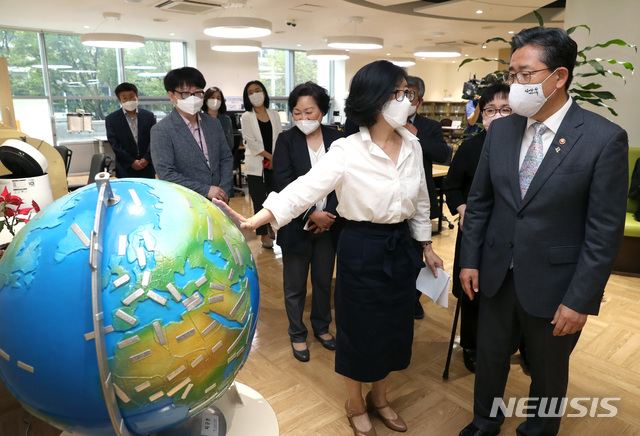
{"type": "Point", "coordinates": [180, 300]}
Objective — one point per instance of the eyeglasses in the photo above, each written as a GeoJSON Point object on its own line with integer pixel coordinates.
{"type": "Point", "coordinates": [187, 94]}
{"type": "Point", "coordinates": [523, 77]}
{"type": "Point", "coordinates": [491, 112]}
{"type": "Point", "coordinates": [400, 94]}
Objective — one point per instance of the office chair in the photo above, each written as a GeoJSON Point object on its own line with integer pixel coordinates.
{"type": "Point", "coordinates": [100, 162]}
{"type": "Point", "coordinates": [66, 154]}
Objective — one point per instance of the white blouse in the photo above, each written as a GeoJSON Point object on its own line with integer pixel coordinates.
{"type": "Point", "coordinates": [314, 157]}
{"type": "Point", "coordinates": [369, 186]}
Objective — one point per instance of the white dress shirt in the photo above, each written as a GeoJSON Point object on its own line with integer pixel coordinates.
{"type": "Point", "coordinates": [552, 123]}
{"type": "Point", "coordinates": [369, 186]}
{"type": "Point", "coordinates": [133, 123]}
{"type": "Point", "coordinates": [315, 156]}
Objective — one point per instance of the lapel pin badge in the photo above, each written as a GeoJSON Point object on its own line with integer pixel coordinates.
{"type": "Point", "coordinates": [557, 149]}
{"type": "Point", "coordinates": [562, 141]}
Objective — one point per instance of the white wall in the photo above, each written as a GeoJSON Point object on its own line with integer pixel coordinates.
{"type": "Point", "coordinates": [228, 71]}
{"type": "Point", "coordinates": [609, 20]}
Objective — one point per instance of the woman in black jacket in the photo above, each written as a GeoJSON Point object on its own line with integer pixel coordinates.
{"type": "Point", "coordinates": [307, 242]}
{"type": "Point", "coordinates": [494, 103]}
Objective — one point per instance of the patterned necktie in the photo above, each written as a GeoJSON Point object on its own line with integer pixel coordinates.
{"type": "Point", "coordinates": [532, 159]}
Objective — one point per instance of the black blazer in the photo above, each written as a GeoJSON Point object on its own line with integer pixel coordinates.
{"type": "Point", "coordinates": [434, 149]}
{"type": "Point", "coordinates": [564, 235]}
{"type": "Point", "coordinates": [457, 184]}
{"type": "Point", "coordinates": [290, 161]}
{"type": "Point", "coordinates": [124, 146]}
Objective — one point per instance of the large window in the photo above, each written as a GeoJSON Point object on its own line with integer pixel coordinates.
{"type": "Point", "coordinates": [23, 56]}
{"type": "Point", "coordinates": [81, 79]}
{"type": "Point", "coordinates": [283, 70]}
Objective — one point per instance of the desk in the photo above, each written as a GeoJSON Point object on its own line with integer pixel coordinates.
{"type": "Point", "coordinates": [452, 132]}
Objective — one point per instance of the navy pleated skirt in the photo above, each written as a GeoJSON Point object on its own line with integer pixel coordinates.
{"type": "Point", "coordinates": [375, 295]}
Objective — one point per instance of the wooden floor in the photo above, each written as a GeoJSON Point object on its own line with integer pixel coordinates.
{"type": "Point", "coordinates": [308, 398]}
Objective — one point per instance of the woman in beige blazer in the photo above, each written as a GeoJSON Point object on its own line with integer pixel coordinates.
{"type": "Point", "coordinates": [260, 129]}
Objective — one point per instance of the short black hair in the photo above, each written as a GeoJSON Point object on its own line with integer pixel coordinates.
{"type": "Point", "coordinates": [416, 82]}
{"type": "Point", "coordinates": [185, 76]}
{"type": "Point", "coordinates": [492, 92]}
{"type": "Point", "coordinates": [313, 90]}
{"type": "Point", "coordinates": [370, 89]}
{"type": "Point", "coordinates": [558, 49]}
{"type": "Point", "coordinates": [248, 106]}
{"type": "Point", "coordinates": [124, 87]}
{"type": "Point", "coordinates": [207, 95]}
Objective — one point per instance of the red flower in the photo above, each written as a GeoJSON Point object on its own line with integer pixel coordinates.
{"type": "Point", "coordinates": [8, 211]}
{"type": "Point", "coordinates": [35, 206]}
{"type": "Point", "coordinates": [4, 195]}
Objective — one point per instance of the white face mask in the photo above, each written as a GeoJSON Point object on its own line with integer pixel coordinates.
{"type": "Point", "coordinates": [257, 98]}
{"type": "Point", "coordinates": [190, 105]}
{"type": "Point", "coordinates": [307, 126]}
{"type": "Point", "coordinates": [130, 105]}
{"type": "Point", "coordinates": [412, 110]}
{"type": "Point", "coordinates": [214, 104]}
{"type": "Point", "coordinates": [396, 112]}
{"type": "Point", "coordinates": [527, 100]}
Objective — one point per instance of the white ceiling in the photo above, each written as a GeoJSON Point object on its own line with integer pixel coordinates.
{"type": "Point", "coordinates": [401, 23]}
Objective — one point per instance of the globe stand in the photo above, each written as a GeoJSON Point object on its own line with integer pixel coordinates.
{"type": "Point", "coordinates": [241, 411]}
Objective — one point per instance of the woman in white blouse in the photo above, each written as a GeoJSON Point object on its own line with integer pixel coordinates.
{"type": "Point", "coordinates": [379, 180]}
{"type": "Point", "coordinates": [260, 129]}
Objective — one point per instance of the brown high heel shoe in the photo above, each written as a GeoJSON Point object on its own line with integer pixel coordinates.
{"type": "Point", "coordinates": [356, 432]}
{"type": "Point", "coordinates": [396, 424]}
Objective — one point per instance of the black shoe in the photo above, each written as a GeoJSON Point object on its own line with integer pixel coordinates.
{"type": "Point", "coordinates": [419, 311]}
{"type": "Point", "coordinates": [302, 356]}
{"type": "Point", "coordinates": [469, 358]}
{"type": "Point", "coordinates": [329, 344]}
{"type": "Point", "coordinates": [472, 430]}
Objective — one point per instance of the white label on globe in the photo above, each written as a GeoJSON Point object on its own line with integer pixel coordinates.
{"type": "Point", "coordinates": [209, 424]}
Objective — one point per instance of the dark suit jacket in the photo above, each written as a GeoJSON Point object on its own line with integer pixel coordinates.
{"type": "Point", "coordinates": [434, 149]}
{"type": "Point", "coordinates": [564, 235]}
{"type": "Point", "coordinates": [125, 147]}
{"type": "Point", "coordinates": [290, 161]}
{"type": "Point", "coordinates": [179, 159]}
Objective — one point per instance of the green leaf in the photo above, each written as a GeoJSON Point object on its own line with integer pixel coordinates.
{"type": "Point", "coordinates": [605, 95]}
{"type": "Point", "coordinates": [596, 66]}
{"type": "Point", "coordinates": [596, 102]}
{"type": "Point", "coordinates": [466, 61]}
{"type": "Point", "coordinates": [497, 39]}
{"type": "Point", "coordinates": [539, 17]}
{"type": "Point", "coordinates": [617, 42]}
{"type": "Point", "coordinates": [626, 65]}
{"type": "Point", "coordinates": [572, 29]}
{"type": "Point", "coordinates": [591, 85]}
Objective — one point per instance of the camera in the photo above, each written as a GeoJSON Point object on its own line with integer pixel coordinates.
{"type": "Point", "coordinates": [291, 23]}
{"type": "Point", "coordinates": [474, 87]}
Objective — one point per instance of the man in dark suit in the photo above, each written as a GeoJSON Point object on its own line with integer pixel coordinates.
{"type": "Point", "coordinates": [543, 226]}
{"type": "Point", "coordinates": [128, 132]}
{"type": "Point", "coordinates": [434, 149]}
{"type": "Point", "coordinates": [189, 148]}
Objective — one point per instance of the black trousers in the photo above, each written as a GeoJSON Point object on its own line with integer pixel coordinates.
{"type": "Point", "coordinates": [502, 320]}
{"type": "Point", "coordinates": [259, 188]}
{"type": "Point", "coordinates": [320, 258]}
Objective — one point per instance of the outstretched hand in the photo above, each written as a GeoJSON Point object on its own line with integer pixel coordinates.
{"type": "Point", "coordinates": [238, 220]}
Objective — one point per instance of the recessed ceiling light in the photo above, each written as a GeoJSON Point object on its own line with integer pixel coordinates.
{"type": "Point", "coordinates": [466, 55]}
{"type": "Point", "coordinates": [440, 51]}
{"type": "Point", "coordinates": [332, 55]}
{"type": "Point", "coordinates": [298, 45]}
{"type": "Point", "coordinates": [87, 27]}
{"type": "Point", "coordinates": [355, 42]}
{"type": "Point", "coordinates": [479, 11]}
{"type": "Point", "coordinates": [236, 45]}
{"type": "Point", "coordinates": [402, 61]}
{"type": "Point", "coordinates": [171, 34]}
{"type": "Point", "coordinates": [237, 27]}
{"type": "Point", "coordinates": [484, 46]}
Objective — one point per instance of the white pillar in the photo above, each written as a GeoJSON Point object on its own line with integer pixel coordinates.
{"type": "Point", "coordinates": [608, 20]}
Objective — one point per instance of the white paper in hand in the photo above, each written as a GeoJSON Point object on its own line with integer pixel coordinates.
{"type": "Point", "coordinates": [435, 288]}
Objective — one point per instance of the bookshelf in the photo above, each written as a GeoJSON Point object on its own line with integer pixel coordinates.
{"type": "Point", "coordinates": [437, 110]}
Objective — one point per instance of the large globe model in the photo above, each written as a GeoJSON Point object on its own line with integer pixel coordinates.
{"type": "Point", "coordinates": [180, 298]}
